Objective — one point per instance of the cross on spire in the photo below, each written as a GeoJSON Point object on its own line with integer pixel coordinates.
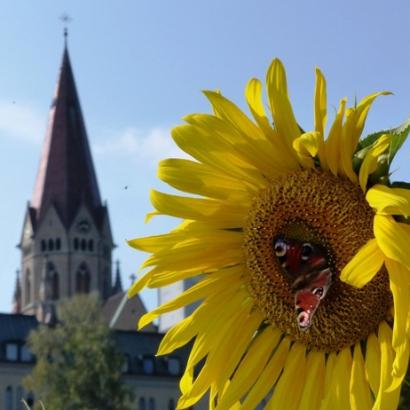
{"type": "Point", "coordinates": [133, 277]}
{"type": "Point", "coordinates": [66, 19]}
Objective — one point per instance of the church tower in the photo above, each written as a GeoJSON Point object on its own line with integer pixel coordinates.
{"type": "Point", "coordinates": [66, 243]}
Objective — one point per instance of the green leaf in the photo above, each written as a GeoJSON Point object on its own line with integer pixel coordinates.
{"type": "Point", "coordinates": [399, 135]}
{"type": "Point", "coordinates": [400, 184]}
{"type": "Point", "coordinates": [363, 148]}
{"type": "Point", "coordinates": [370, 139]}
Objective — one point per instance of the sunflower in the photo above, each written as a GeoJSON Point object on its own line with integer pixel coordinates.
{"type": "Point", "coordinates": [299, 247]}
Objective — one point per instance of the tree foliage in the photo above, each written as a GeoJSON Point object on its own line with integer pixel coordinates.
{"type": "Point", "coordinates": [78, 365]}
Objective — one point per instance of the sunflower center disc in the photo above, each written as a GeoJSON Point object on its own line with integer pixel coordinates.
{"type": "Point", "coordinates": [332, 212]}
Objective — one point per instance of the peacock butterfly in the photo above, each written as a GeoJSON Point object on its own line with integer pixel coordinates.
{"type": "Point", "coordinates": [308, 271]}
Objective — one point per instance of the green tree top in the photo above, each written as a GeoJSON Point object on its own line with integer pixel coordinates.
{"type": "Point", "coordinates": [78, 365]}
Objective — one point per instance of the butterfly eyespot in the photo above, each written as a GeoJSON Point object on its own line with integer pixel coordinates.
{"type": "Point", "coordinates": [280, 248]}
{"type": "Point", "coordinates": [318, 292]}
{"type": "Point", "coordinates": [307, 250]}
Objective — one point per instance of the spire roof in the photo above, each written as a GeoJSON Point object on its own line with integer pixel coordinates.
{"type": "Point", "coordinates": [17, 294]}
{"type": "Point", "coordinates": [117, 288]}
{"type": "Point", "coordinates": [66, 176]}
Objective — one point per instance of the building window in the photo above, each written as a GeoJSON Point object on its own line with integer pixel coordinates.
{"type": "Point", "coordinates": [151, 403]}
{"type": "Point", "coordinates": [126, 367]}
{"type": "Point", "coordinates": [83, 244]}
{"type": "Point", "coordinates": [174, 366]}
{"type": "Point", "coordinates": [76, 244]}
{"type": "Point", "coordinates": [141, 404]}
{"type": "Point", "coordinates": [43, 245]}
{"type": "Point", "coordinates": [58, 244]}
{"type": "Point", "coordinates": [11, 352]}
{"type": "Point", "coordinates": [90, 245]}
{"type": "Point", "coordinates": [171, 404]}
{"type": "Point", "coordinates": [8, 398]}
{"type": "Point", "coordinates": [82, 279]}
{"type": "Point", "coordinates": [25, 354]}
{"type": "Point", "coordinates": [50, 245]}
{"type": "Point", "coordinates": [148, 365]}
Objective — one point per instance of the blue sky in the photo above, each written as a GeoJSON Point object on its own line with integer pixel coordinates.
{"type": "Point", "coordinates": [140, 66]}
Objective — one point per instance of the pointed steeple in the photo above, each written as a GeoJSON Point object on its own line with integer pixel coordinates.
{"type": "Point", "coordinates": [117, 288]}
{"type": "Point", "coordinates": [17, 294]}
{"type": "Point", "coordinates": [66, 176]}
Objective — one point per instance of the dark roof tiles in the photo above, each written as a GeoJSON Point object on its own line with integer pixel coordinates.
{"type": "Point", "coordinates": [66, 176]}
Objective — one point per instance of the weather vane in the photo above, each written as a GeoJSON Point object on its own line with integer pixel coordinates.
{"type": "Point", "coordinates": [66, 19]}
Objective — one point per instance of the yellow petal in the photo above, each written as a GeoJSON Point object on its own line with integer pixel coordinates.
{"type": "Point", "coordinates": [268, 377]}
{"type": "Point", "coordinates": [216, 213]}
{"type": "Point", "coordinates": [178, 335]}
{"type": "Point", "coordinates": [399, 286]}
{"type": "Point", "coordinates": [250, 367]}
{"type": "Point", "coordinates": [372, 363]}
{"type": "Point", "coordinates": [185, 384]}
{"type": "Point", "coordinates": [215, 151]}
{"type": "Point", "coordinates": [307, 147]}
{"type": "Point", "coordinates": [233, 345]}
{"type": "Point", "coordinates": [253, 94]}
{"type": "Point", "coordinates": [364, 265]}
{"type": "Point", "coordinates": [386, 400]}
{"type": "Point", "coordinates": [186, 233]}
{"type": "Point", "coordinates": [389, 201]}
{"type": "Point", "coordinates": [370, 161]}
{"type": "Point", "coordinates": [283, 117]}
{"type": "Point", "coordinates": [393, 238]}
{"type": "Point", "coordinates": [208, 286]}
{"type": "Point", "coordinates": [320, 103]}
{"type": "Point", "coordinates": [360, 396]}
{"type": "Point", "coordinates": [313, 389]}
{"type": "Point", "coordinates": [355, 123]}
{"type": "Point", "coordinates": [330, 364]}
{"type": "Point", "coordinates": [236, 347]}
{"type": "Point", "coordinates": [201, 179]}
{"type": "Point", "coordinates": [203, 251]}
{"type": "Point", "coordinates": [334, 143]}
{"type": "Point", "coordinates": [213, 333]}
{"type": "Point", "coordinates": [338, 389]}
{"type": "Point", "coordinates": [346, 152]}
{"type": "Point", "coordinates": [287, 394]}
{"type": "Point", "coordinates": [139, 284]}
{"type": "Point", "coordinates": [245, 136]}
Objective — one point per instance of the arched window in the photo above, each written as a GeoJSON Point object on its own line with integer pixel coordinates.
{"type": "Point", "coordinates": [43, 245]}
{"type": "Point", "coordinates": [52, 282]}
{"type": "Point", "coordinates": [87, 280]}
{"type": "Point", "coordinates": [82, 279]}
{"type": "Point", "coordinates": [76, 244]}
{"type": "Point", "coordinates": [83, 244]}
{"type": "Point", "coordinates": [58, 244]}
{"type": "Point", "coordinates": [141, 403]}
{"type": "Point", "coordinates": [50, 245]}
{"type": "Point", "coordinates": [90, 245]}
{"type": "Point", "coordinates": [27, 290]}
{"type": "Point", "coordinates": [8, 398]}
{"type": "Point", "coordinates": [151, 403]}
